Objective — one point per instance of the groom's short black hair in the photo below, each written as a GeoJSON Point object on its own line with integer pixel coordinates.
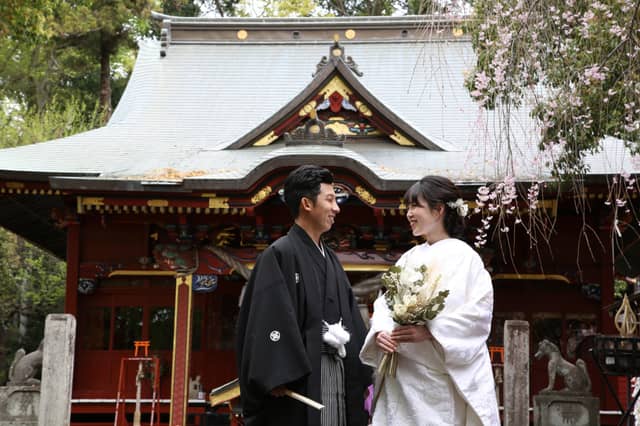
{"type": "Point", "coordinates": [304, 182]}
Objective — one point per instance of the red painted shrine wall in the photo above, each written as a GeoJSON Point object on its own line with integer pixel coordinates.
{"type": "Point", "coordinates": [127, 308]}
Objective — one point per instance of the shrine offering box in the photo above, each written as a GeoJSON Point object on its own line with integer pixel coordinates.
{"type": "Point", "coordinates": [617, 355]}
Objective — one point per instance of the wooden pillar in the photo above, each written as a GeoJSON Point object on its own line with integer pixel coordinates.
{"type": "Point", "coordinates": [608, 275]}
{"type": "Point", "coordinates": [181, 351]}
{"type": "Point", "coordinates": [73, 267]}
{"type": "Point", "coordinates": [607, 325]}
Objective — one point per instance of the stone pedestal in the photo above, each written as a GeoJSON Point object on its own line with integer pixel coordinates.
{"type": "Point", "coordinates": [562, 408]}
{"type": "Point", "coordinates": [19, 405]}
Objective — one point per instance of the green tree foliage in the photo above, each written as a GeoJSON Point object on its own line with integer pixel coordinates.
{"type": "Point", "coordinates": [357, 7]}
{"type": "Point", "coordinates": [180, 8]}
{"type": "Point", "coordinates": [32, 20]}
{"type": "Point", "coordinates": [35, 73]}
{"type": "Point", "coordinates": [105, 29]}
{"type": "Point", "coordinates": [67, 48]}
{"type": "Point", "coordinates": [31, 286]}
{"type": "Point", "coordinates": [575, 61]}
{"type": "Point", "coordinates": [219, 7]}
{"type": "Point", "coordinates": [386, 7]}
{"type": "Point", "coordinates": [290, 8]}
{"type": "Point", "coordinates": [425, 7]}
{"type": "Point", "coordinates": [21, 125]}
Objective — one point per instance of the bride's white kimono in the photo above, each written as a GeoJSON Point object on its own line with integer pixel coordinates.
{"type": "Point", "coordinates": [448, 380]}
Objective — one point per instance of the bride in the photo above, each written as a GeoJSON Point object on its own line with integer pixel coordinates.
{"type": "Point", "coordinates": [444, 374]}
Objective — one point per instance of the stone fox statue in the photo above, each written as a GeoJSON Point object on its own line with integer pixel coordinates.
{"type": "Point", "coordinates": [575, 376]}
{"type": "Point", "coordinates": [25, 366]}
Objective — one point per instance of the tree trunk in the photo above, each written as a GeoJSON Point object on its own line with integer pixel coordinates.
{"type": "Point", "coordinates": [39, 84]}
{"type": "Point", "coordinates": [105, 78]}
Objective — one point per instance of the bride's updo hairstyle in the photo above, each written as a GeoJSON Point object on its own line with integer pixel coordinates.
{"type": "Point", "coordinates": [436, 191]}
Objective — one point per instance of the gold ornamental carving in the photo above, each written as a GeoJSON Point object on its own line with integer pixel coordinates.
{"type": "Point", "coordinates": [307, 109]}
{"type": "Point", "coordinates": [242, 34]}
{"type": "Point", "coordinates": [365, 195]}
{"type": "Point", "coordinates": [335, 124]}
{"type": "Point", "coordinates": [364, 109]}
{"type": "Point", "coordinates": [218, 202]}
{"type": "Point", "coordinates": [261, 195]}
{"type": "Point", "coordinates": [401, 139]}
{"type": "Point", "coordinates": [89, 202]}
{"type": "Point", "coordinates": [266, 139]}
{"type": "Point", "coordinates": [336, 85]}
{"type": "Point", "coordinates": [92, 201]}
{"type": "Point", "coordinates": [625, 319]}
{"type": "Point", "coordinates": [157, 203]}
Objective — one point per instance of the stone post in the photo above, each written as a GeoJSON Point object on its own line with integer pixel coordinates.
{"type": "Point", "coordinates": [516, 373]}
{"type": "Point", "coordinates": [57, 370]}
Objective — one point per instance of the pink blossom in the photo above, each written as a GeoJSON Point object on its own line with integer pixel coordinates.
{"type": "Point", "coordinates": [616, 30]}
{"type": "Point", "coordinates": [588, 16]}
{"type": "Point", "coordinates": [594, 73]}
{"type": "Point", "coordinates": [481, 80]}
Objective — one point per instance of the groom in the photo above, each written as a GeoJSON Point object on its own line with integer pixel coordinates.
{"type": "Point", "coordinates": [297, 286]}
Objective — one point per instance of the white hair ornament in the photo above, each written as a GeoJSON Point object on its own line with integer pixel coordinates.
{"type": "Point", "coordinates": [459, 206]}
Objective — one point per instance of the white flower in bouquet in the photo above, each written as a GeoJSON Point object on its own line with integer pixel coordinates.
{"type": "Point", "coordinates": [412, 294]}
{"type": "Point", "coordinates": [399, 310]}
{"type": "Point", "coordinates": [409, 275]}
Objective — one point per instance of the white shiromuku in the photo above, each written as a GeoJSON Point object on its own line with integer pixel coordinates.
{"type": "Point", "coordinates": [447, 380]}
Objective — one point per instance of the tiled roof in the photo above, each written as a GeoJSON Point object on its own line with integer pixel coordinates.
{"type": "Point", "coordinates": [180, 112]}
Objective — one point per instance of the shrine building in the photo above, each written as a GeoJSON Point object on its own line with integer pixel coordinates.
{"type": "Point", "coordinates": [161, 213]}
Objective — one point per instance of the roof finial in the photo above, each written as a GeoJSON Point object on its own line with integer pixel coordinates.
{"type": "Point", "coordinates": [336, 53]}
{"type": "Point", "coordinates": [336, 50]}
{"type": "Point", "coordinates": [165, 37]}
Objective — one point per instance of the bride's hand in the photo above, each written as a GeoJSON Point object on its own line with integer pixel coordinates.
{"type": "Point", "coordinates": [385, 342]}
{"type": "Point", "coordinates": [411, 333]}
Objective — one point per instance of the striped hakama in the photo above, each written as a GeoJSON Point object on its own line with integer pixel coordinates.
{"type": "Point", "coordinates": [332, 384]}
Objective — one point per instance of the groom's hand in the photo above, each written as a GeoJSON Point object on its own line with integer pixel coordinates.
{"type": "Point", "coordinates": [411, 333]}
{"type": "Point", "coordinates": [385, 342]}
